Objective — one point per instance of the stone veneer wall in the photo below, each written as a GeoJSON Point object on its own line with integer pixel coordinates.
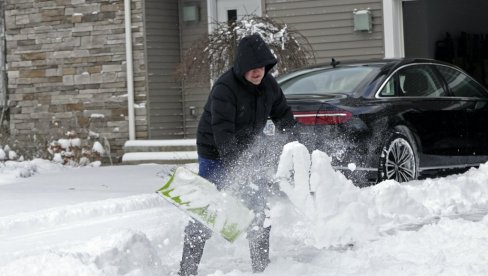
{"type": "Point", "coordinates": [66, 69]}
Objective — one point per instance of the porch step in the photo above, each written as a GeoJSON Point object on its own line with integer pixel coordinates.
{"type": "Point", "coordinates": [160, 151]}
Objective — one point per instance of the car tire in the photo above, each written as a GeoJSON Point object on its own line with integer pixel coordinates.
{"type": "Point", "coordinates": [398, 159]}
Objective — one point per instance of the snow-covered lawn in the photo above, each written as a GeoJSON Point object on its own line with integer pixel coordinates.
{"type": "Point", "coordinates": [57, 220]}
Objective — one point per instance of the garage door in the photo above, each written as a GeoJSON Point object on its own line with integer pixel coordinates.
{"type": "Point", "coordinates": [449, 30]}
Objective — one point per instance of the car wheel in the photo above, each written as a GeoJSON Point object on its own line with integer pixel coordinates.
{"type": "Point", "coordinates": [398, 159]}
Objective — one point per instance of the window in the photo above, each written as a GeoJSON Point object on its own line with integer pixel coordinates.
{"type": "Point", "coordinates": [338, 80]}
{"type": "Point", "coordinates": [389, 89]}
{"type": "Point", "coordinates": [413, 81]}
{"type": "Point", "coordinates": [231, 17]}
{"type": "Point", "coordinates": [460, 84]}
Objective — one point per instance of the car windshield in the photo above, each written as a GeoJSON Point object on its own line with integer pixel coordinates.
{"type": "Point", "coordinates": [326, 81]}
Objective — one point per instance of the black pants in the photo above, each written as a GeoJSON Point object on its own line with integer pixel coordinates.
{"type": "Point", "coordinates": [196, 234]}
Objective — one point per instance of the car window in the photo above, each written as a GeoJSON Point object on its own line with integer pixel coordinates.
{"type": "Point", "coordinates": [389, 88]}
{"type": "Point", "coordinates": [336, 80]}
{"type": "Point", "coordinates": [460, 84]}
{"type": "Point", "coordinates": [413, 81]}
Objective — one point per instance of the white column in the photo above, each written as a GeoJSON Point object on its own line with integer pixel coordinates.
{"type": "Point", "coordinates": [393, 28]}
{"type": "Point", "coordinates": [130, 69]}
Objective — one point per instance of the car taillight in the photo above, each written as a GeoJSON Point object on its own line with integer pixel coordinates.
{"type": "Point", "coordinates": [329, 117]}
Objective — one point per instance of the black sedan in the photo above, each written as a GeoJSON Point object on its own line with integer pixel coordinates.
{"type": "Point", "coordinates": [400, 119]}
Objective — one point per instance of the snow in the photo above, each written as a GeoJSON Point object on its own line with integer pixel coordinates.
{"type": "Point", "coordinates": [169, 142]}
{"type": "Point", "coordinates": [97, 116]}
{"type": "Point", "coordinates": [59, 220]}
{"type": "Point", "coordinates": [134, 154]}
{"type": "Point", "coordinates": [97, 147]}
{"type": "Point", "coordinates": [69, 143]}
{"type": "Point", "coordinates": [174, 155]}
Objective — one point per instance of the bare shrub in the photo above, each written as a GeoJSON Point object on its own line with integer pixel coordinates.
{"type": "Point", "coordinates": [29, 147]}
{"type": "Point", "coordinates": [213, 54]}
{"type": "Point", "coordinates": [73, 149]}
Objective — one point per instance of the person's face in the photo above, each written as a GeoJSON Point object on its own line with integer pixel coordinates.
{"type": "Point", "coordinates": [255, 76]}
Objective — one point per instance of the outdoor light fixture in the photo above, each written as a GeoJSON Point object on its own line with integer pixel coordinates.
{"type": "Point", "coordinates": [193, 111]}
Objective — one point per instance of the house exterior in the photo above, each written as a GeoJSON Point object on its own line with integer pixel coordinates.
{"type": "Point", "coordinates": [105, 68]}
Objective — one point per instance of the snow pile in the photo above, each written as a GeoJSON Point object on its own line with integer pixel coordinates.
{"type": "Point", "coordinates": [10, 170]}
{"type": "Point", "coordinates": [340, 213]}
{"type": "Point", "coordinates": [71, 213]}
{"type": "Point", "coordinates": [120, 253]}
{"type": "Point", "coordinates": [97, 147]}
{"type": "Point", "coordinates": [8, 154]}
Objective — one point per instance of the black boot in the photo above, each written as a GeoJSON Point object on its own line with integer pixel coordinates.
{"type": "Point", "coordinates": [195, 237]}
{"type": "Point", "coordinates": [259, 247]}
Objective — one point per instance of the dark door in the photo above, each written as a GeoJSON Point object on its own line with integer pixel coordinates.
{"type": "Point", "coordinates": [475, 98]}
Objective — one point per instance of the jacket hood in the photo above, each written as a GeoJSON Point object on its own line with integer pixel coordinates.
{"type": "Point", "coordinates": [252, 53]}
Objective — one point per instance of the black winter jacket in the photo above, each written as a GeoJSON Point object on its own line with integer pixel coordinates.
{"type": "Point", "coordinates": [237, 110]}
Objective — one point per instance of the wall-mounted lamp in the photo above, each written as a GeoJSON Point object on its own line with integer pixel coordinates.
{"type": "Point", "coordinates": [193, 111]}
{"type": "Point", "coordinates": [190, 13]}
{"type": "Point", "coordinates": [363, 20]}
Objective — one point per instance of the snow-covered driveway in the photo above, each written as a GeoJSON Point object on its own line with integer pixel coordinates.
{"type": "Point", "coordinates": [109, 221]}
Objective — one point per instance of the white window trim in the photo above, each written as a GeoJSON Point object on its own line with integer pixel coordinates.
{"type": "Point", "coordinates": [393, 28]}
{"type": "Point", "coordinates": [211, 14]}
